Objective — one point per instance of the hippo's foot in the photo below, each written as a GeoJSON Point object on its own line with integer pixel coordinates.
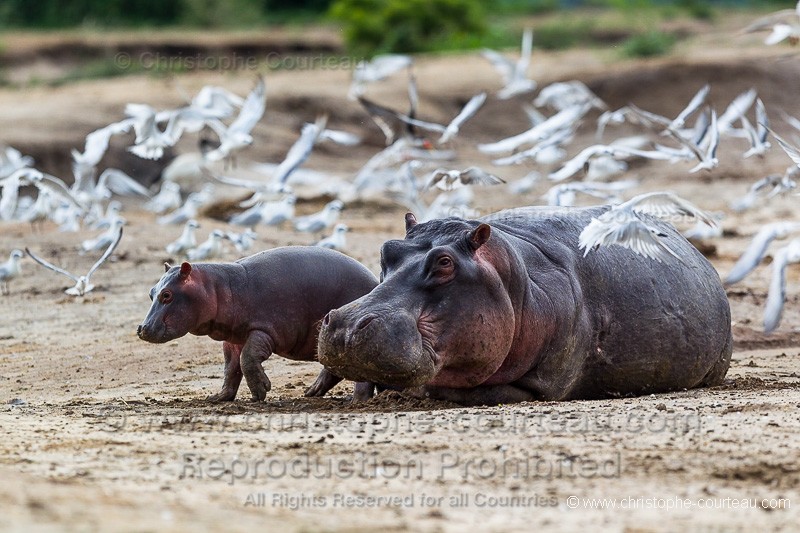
{"type": "Point", "coordinates": [363, 391]}
{"type": "Point", "coordinates": [259, 387]}
{"type": "Point", "coordinates": [324, 382]}
{"type": "Point", "coordinates": [225, 395]}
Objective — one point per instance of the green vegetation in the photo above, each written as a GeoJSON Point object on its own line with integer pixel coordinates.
{"type": "Point", "coordinates": [377, 26]}
{"type": "Point", "coordinates": [650, 44]}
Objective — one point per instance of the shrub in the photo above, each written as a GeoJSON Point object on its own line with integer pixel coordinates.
{"type": "Point", "coordinates": [405, 26]}
{"type": "Point", "coordinates": [650, 44]}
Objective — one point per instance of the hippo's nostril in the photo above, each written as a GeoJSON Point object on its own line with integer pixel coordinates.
{"type": "Point", "coordinates": [364, 321]}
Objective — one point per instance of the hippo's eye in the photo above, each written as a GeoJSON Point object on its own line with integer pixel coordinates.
{"type": "Point", "coordinates": [165, 297]}
{"type": "Point", "coordinates": [444, 262]}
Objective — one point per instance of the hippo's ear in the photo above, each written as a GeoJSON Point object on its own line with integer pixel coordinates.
{"type": "Point", "coordinates": [167, 266]}
{"type": "Point", "coordinates": [479, 236]}
{"type": "Point", "coordinates": [186, 269]}
{"type": "Point", "coordinates": [411, 221]}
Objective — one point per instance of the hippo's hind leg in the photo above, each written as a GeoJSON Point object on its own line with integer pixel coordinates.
{"type": "Point", "coordinates": [256, 350]}
{"type": "Point", "coordinates": [324, 382]}
{"type": "Point", "coordinates": [233, 374]}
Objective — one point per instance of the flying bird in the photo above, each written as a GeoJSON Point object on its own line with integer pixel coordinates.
{"type": "Point", "coordinates": [628, 225]}
{"type": "Point", "coordinates": [83, 284]}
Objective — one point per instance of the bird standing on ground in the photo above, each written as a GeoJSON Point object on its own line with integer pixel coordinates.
{"type": "Point", "coordinates": [10, 270]}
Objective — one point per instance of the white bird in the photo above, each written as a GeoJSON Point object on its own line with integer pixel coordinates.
{"type": "Point", "coordinates": [210, 249]}
{"type": "Point", "coordinates": [706, 151]}
{"type": "Point", "coordinates": [82, 283]}
{"type": "Point", "coordinates": [777, 286]}
{"type": "Point", "coordinates": [104, 239]}
{"type": "Point", "coordinates": [514, 74]}
{"type": "Point", "coordinates": [12, 160]}
{"type": "Point", "coordinates": [378, 68]}
{"type": "Point", "coordinates": [187, 211]}
{"type": "Point", "coordinates": [337, 240]}
{"type": "Point", "coordinates": [735, 110]}
{"type": "Point", "coordinates": [186, 241]}
{"type": "Point", "coordinates": [755, 251]}
{"type": "Point", "coordinates": [267, 213]}
{"type": "Point", "coordinates": [242, 241]}
{"type": "Point", "coordinates": [300, 150]}
{"type": "Point", "coordinates": [525, 184]}
{"type": "Point", "coordinates": [545, 152]}
{"type": "Point", "coordinates": [623, 148]}
{"type": "Point", "coordinates": [624, 225]}
{"type": "Point", "coordinates": [321, 220]}
{"type": "Point", "coordinates": [758, 134]}
{"type": "Point", "coordinates": [451, 130]}
{"type": "Point", "coordinates": [568, 118]}
{"type": "Point", "coordinates": [10, 270]}
{"type": "Point", "coordinates": [112, 213]}
{"type": "Point", "coordinates": [785, 24]}
{"type": "Point", "coordinates": [30, 176]}
{"type": "Point", "coordinates": [767, 187]}
{"type": "Point", "coordinates": [564, 94]}
{"type": "Point", "coordinates": [237, 136]}
{"type": "Point", "coordinates": [450, 179]}
{"type": "Point", "coordinates": [150, 140]}
{"type": "Point", "coordinates": [167, 199]}
{"type": "Point", "coordinates": [84, 164]}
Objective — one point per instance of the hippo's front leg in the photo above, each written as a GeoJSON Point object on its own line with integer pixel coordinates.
{"type": "Point", "coordinates": [233, 374]}
{"type": "Point", "coordinates": [256, 350]}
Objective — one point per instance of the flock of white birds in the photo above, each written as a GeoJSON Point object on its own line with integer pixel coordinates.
{"type": "Point", "coordinates": [412, 145]}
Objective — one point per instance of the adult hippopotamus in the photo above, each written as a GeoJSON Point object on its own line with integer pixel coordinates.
{"type": "Point", "coordinates": [506, 309]}
{"type": "Point", "coordinates": [270, 302]}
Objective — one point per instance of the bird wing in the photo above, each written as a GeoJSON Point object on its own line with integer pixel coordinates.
{"type": "Point", "coordinates": [465, 114]}
{"type": "Point", "coordinates": [501, 64]}
{"type": "Point", "coordinates": [762, 121]}
{"type": "Point", "coordinates": [755, 251]}
{"type": "Point", "coordinates": [777, 291]}
{"type": "Point", "coordinates": [120, 183]}
{"type": "Point", "coordinates": [478, 176]}
{"type": "Point", "coordinates": [300, 150]}
{"type": "Point", "coordinates": [252, 109]}
{"type": "Point", "coordinates": [576, 163]}
{"type": "Point", "coordinates": [667, 204]}
{"type": "Point", "coordinates": [436, 176]}
{"type": "Point", "coordinates": [792, 151]}
{"type": "Point", "coordinates": [696, 101]}
{"type": "Point", "coordinates": [106, 254]}
{"type": "Point", "coordinates": [770, 20]}
{"type": "Point", "coordinates": [340, 137]}
{"type": "Point", "coordinates": [51, 266]}
{"type": "Point", "coordinates": [736, 109]}
{"type": "Point", "coordinates": [525, 52]}
{"type": "Point", "coordinates": [627, 231]}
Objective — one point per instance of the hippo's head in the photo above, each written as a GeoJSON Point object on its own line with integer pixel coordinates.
{"type": "Point", "coordinates": [441, 315]}
{"type": "Point", "coordinates": [180, 304]}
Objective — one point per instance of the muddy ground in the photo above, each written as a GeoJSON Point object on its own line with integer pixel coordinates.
{"type": "Point", "coordinates": [103, 431]}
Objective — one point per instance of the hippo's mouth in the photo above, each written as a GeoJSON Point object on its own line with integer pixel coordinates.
{"type": "Point", "coordinates": [390, 350]}
{"type": "Point", "coordinates": [156, 335]}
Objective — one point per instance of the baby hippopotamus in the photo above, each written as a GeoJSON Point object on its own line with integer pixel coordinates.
{"type": "Point", "coordinates": [270, 302]}
{"type": "Point", "coordinates": [507, 308]}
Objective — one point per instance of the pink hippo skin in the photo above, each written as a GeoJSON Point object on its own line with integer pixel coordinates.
{"type": "Point", "coordinates": [270, 302]}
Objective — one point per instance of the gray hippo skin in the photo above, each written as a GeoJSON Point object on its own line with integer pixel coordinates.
{"type": "Point", "coordinates": [270, 302]}
{"type": "Point", "coordinates": [507, 309]}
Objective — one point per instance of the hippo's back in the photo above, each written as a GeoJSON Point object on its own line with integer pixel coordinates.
{"type": "Point", "coordinates": [314, 274]}
{"type": "Point", "coordinates": [655, 326]}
